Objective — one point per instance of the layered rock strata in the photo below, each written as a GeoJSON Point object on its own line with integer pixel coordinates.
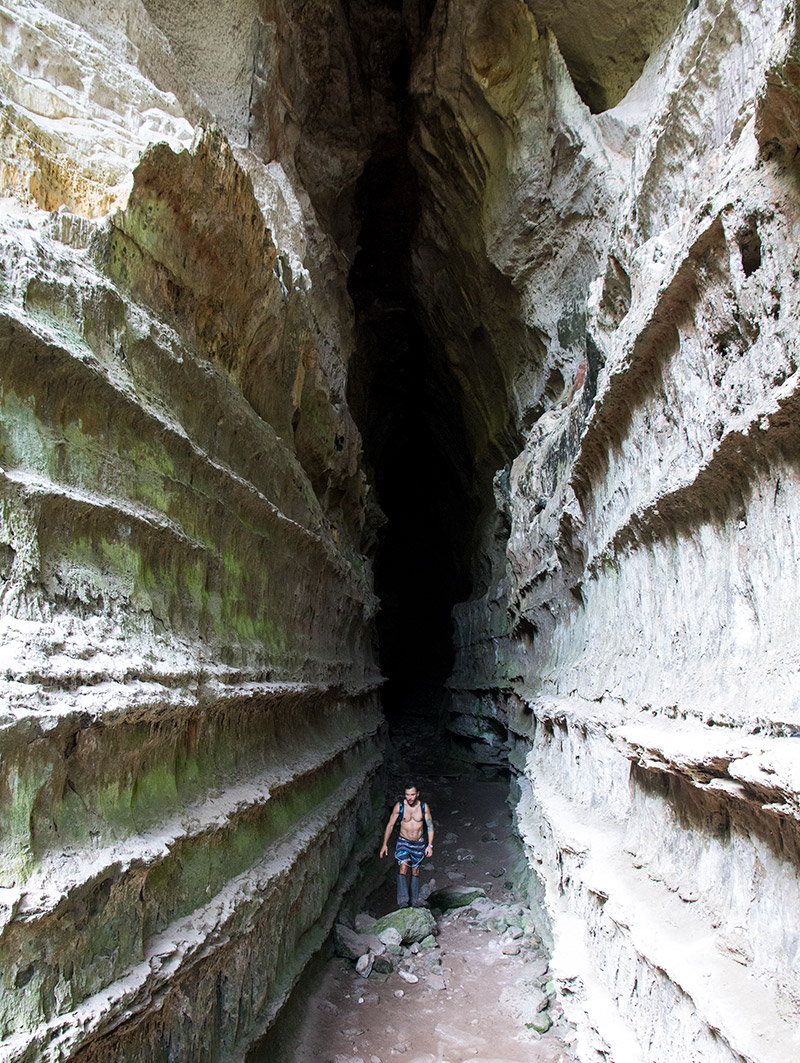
{"type": "Point", "coordinates": [600, 258]}
{"type": "Point", "coordinates": [191, 742]}
{"type": "Point", "coordinates": [630, 644]}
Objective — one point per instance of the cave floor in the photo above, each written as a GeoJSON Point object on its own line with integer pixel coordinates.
{"type": "Point", "coordinates": [455, 1014]}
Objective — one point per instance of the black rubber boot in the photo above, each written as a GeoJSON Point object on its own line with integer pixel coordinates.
{"type": "Point", "coordinates": [415, 891]}
{"type": "Point", "coordinates": [402, 891]}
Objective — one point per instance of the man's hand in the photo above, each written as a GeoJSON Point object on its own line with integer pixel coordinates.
{"type": "Point", "coordinates": [429, 850]}
{"type": "Point", "coordinates": [384, 851]}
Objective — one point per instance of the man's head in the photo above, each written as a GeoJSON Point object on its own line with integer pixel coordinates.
{"type": "Point", "coordinates": [411, 794]}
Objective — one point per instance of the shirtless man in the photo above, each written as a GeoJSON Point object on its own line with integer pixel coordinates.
{"type": "Point", "coordinates": [411, 848]}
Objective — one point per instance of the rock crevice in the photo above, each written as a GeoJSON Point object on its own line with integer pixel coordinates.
{"type": "Point", "coordinates": [480, 311]}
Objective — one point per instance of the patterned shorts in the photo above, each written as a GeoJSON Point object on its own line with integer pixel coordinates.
{"type": "Point", "coordinates": [408, 852]}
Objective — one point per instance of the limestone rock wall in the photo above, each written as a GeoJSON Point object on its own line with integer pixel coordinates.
{"type": "Point", "coordinates": [630, 646]}
{"type": "Point", "coordinates": [190, 739]}
{"type": "Point", "coordinates": [603, 253]}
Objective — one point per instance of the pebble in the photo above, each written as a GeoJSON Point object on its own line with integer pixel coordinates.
{"type": "Point", "coordinates": [364, 964]}
{"type": "Point", "coordinates": [435, 981]}
{"type": "Point", "coordinates": [399, 993]}
{"type": "Point", "coordinates": [407, 976]}
{"type": "Point", "coordinates": [515, 932]}
{"type": "Point", "coordinates": [511, 949]}
{"type": "Point", "coordinates": [401, 1047]}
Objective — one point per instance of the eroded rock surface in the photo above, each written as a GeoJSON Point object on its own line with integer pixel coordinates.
{"type": "Point", "coordinates": [629, 646]}
{"type": "Point", "coordinates": [190, 730]}
{"type": "Point", "coordinates": [572, 229]}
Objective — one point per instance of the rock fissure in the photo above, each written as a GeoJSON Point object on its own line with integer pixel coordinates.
{"type": "Point", "coordinates": [410, 361]}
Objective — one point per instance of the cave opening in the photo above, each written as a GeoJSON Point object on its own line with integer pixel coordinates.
{"type": "Point", "coordinates": [407, 404]}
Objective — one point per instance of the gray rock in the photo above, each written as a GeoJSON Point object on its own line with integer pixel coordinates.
{"type": "Point", "coordinates": [435, 981]}
{"type": "Point", "coordinates": [413, 924]}
{"type": "Point", "coordinates": [523, 1002]}
{"type": "Point", "coordinates": [364, 964]}
{"type": "Point", "coordinates": [538, 969]}
{"type": "Point", "coordinates": [351, 945]}
{"type": "Point", "coordinates": [455, 897]}
{"type": "Point", "coordinates": [391, 936]}
{"type": "Point", "coordinates": [541, 1023]}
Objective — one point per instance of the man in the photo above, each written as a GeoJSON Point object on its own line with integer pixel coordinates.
{"type": "Point", "coordinates": [411, 847]}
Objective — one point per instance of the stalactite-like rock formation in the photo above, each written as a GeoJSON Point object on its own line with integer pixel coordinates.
{"type": "Point", "coordinates": [541, 258]}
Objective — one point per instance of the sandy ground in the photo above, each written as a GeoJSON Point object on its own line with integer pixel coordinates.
{"type": "Point", "coordinates": [470, 1000]}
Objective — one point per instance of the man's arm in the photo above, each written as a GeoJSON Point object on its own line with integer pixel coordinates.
{"type": "Point", "coordinates": [429, 825]}
{"type": "Point", "coordinates": [389, 828]}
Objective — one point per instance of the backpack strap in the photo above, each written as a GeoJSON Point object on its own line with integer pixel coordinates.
{"type": "Point", "coordinates": [400, 813]}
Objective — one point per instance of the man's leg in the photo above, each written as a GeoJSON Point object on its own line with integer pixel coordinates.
{"type": "Point", "coordinates": [415, 887]}
{"type": "Point", "coordinates": [402, 886]}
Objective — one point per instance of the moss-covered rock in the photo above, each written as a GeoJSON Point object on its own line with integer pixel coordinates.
{"type": "Point", "coordinates": [414, 924]}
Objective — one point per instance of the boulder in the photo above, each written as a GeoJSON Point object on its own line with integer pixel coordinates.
{"type": "Point", "coordinates": [351, 946]}
{"type": "Point", "coordinates": [414, 924]}
{"type": "Point", "coordinates": [455, 897]}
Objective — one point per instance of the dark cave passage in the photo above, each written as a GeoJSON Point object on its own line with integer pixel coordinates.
{"type": "Point", "coordinates": [407, 406]}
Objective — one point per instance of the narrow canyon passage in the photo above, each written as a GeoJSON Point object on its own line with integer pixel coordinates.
{"type": "Point", "coordinates": [414, 368]}
{"type": "Point", "coordinates": [480, 989]}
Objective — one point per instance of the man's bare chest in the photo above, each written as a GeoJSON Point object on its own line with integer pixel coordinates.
{"type": "Point", "coordinates": [412, 815]}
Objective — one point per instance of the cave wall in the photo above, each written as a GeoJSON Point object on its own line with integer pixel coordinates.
{"type": "Point", "coordinates": [191, 744]}
{"type": "Point", "coordinates": [630, 648]}
{"type": "Point", "coordinates": [601, 261]}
